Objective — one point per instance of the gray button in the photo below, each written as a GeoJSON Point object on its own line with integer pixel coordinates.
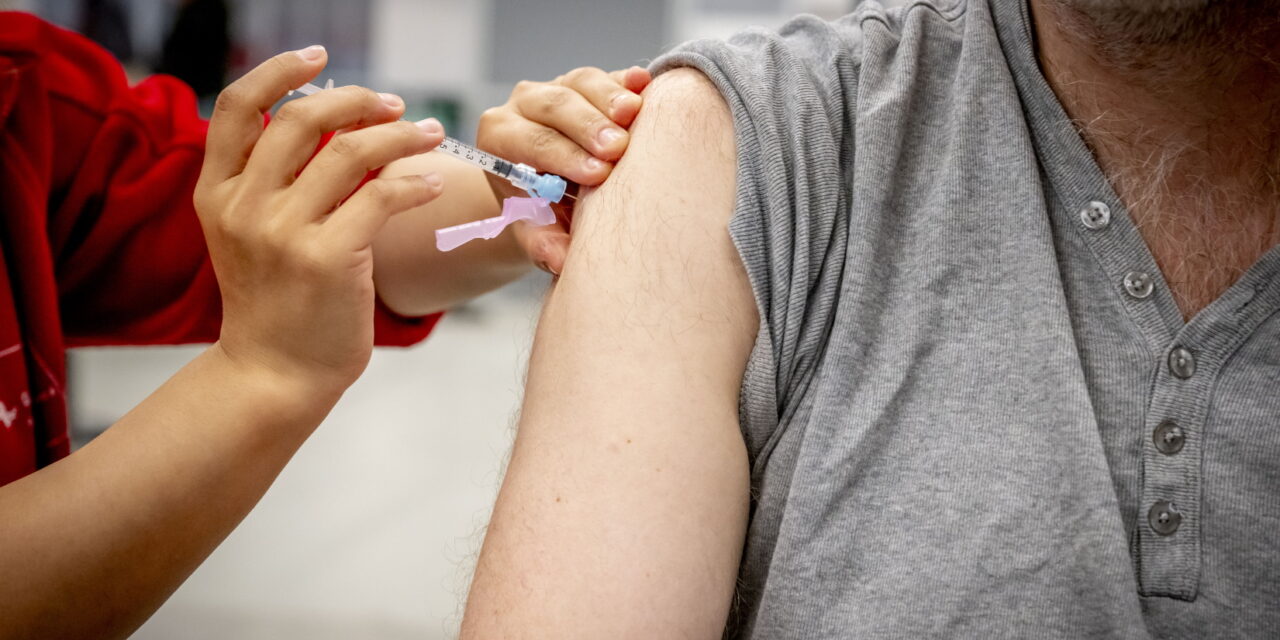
{"type": "Point", "coordinates": [1096, 215]}
{"type": "Point", "coordinates": [1138, 284]}
{"type": "Point", "coordinates": [1164, 518]}
{"type": "Point", "coordinates": [1182, 363]}
{"type": "Point", "coordinates": [1168, 438]}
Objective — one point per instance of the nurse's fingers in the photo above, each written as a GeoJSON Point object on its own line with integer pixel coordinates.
{"type": "Point", "coordinates": [359, 219]}
{"type": "Point", "coordinates": [338, 169]}
{"type": "Point", "coordinates": [237, 117]}
{"type": "Point", "coordinates": [608, 92]}
{"type": "Point", "coordinates": [635, 80]}
{"type": "Point", "coordinates": [573, 113]}
{"type": "Point", "coordinates": [297, 127]}
{"type": "Point", "coordinates": [547, 246]}
{"type": "Point", "coordinates": [510, 135]}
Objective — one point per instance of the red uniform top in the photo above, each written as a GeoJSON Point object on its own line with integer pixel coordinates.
{"type": "Point", "coordinates": [99, 241]}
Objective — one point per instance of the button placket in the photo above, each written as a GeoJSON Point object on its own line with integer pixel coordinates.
{"type": "Point", "coordinates": [1167, 550]}
{"type": "Point", "coordinates": [1169, 529]}
{"type": "Point", "coordinates": [1169, 533]}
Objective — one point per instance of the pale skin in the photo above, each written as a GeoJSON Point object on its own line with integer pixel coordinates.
{"type": "Point", "coordinates": [93, 544]}
{"type": "Point", "coordinates": [624, 507]}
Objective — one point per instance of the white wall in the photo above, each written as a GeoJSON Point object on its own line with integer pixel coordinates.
{"type": "Point", "coordinates": [429, 45]}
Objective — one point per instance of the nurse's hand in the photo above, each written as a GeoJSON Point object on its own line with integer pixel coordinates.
{"type": "Point", "coordinates": [575, 127]}
{"type": "Point", "coordinates": [291, 251]}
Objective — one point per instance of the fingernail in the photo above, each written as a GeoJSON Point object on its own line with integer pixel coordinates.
{"type": "Point", "coordinates": [593, 165]}
{"type": "Point", "coordinates": [542, 264]}
{"type": "Point", "coordinates": [430, 125]}
{"type": "Point", "coordinates": [391, 100]}
{"type": "Point", "coordinates": [311, 53]}
{"type": "Point", "coordinates": [608, 136]}
{"type": "Point", "coordinates": [619, 100]}
{"type": "Point", "coordinates": [433, 180]}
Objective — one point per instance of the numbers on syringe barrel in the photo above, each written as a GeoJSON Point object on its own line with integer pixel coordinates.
{"type": "Point", "coordinates": [466, 153]}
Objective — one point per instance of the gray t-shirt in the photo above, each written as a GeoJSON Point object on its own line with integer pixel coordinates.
{"type": "Point", "coordinates": [973, 409]}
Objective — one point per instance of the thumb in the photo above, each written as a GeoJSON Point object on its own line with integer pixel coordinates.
{"type": "Point", "coordinates": [546, 246]}
{"type": "Point", "coordinates": [637, 78]}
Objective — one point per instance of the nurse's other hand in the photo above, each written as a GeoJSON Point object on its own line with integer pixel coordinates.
{"type": "Point", "coordinates": [291, 251]}
{"type": "Point", "coordinates": [575, 127]}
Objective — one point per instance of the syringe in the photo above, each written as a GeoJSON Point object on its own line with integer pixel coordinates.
{"type": "Point", "coordinates": [521, 176]}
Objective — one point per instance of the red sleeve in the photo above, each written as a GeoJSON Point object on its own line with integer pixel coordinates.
{"type": "Point", "coordinates": [130, 259]}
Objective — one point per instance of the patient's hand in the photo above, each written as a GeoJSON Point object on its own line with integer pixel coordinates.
{"type": "Point", "coordinates": [574, 126]}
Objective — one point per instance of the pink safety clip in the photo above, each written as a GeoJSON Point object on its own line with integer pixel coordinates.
{"type": "Point", "coordinates": [536, 210]}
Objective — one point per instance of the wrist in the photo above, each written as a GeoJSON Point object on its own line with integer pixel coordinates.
{"type": "Point", "coordinates": [293, 395]}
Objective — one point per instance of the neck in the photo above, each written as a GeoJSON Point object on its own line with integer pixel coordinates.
{"type": "Point", "coordinates": [1182, 111]}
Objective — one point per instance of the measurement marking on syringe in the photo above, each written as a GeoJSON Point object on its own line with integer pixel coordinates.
{"type": "Point", "coordinates": [461, 151]}
{"type": "Point", "coordinates": [521, 176]}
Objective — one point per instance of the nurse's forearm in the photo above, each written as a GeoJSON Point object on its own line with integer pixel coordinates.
{"type": "Point", "coordinates": [412, 277]}
{"type": "Point", "coordinates": [94, 544]}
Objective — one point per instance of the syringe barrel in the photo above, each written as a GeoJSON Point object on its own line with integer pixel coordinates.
{"type": "Point", "coordinates": [522, 176]}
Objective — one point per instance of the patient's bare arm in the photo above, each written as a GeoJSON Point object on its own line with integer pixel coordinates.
{"type": "Point", "coordinates": [624, 508]}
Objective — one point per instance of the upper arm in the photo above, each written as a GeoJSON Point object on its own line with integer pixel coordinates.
{"type": "Point", "coordinates": [625, 503]}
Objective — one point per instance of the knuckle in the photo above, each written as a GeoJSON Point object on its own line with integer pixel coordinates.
{"type": "Point", "coordinates": [491, 116]}
{"type": "Point", "coordinates": [231, 99]}
{"type": "Point", "coordinates": [346, 146]}
{"type": "Point", "coordinates": [223, 225]}
{"type": "Point", "coordinates": [271, 231]}
{"type": "Point", "coordinates": [408, 130]}
{"type": "Point", "coordinates": [488, 126]}
{"type": "Point", "coordinates": [313, 255]}
{"type": "Point", "coordinates": [580, 74]}
{"type": "Point", "coordinates": [596, 122]}
{"type": "Point", "coordinates": [228, 227]}
{"type": "Point", "coordinates": [543, 139]}
{"type": "Point", "coordinates": [203, 200]}
{"type": "Point", "coordinates": [550, 99]}
{"type": "Point", "coordinates": [524, 87]}
{"type": "Point", "coordinates": [278, 63]}
{"type": "Point", "coordinates": [555, 98]}
{"type": "Point", "coordinates": [364, 95]}
{"type": "Point", "coordinates": [379, 192]}
{"type": "Point", "coordinates": [291, 112]}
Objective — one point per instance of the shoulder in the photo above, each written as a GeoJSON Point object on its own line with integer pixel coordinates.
{"type": "Point", "coordinates": [681, 151]}
{"type": "Point", "coordinates": [657, 229]}
{"type": "Point", "coordinates": [825, 53]}
{"type": "Point", "coordinates": [683, 109]}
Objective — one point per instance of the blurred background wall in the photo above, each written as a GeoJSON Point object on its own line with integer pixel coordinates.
{"type": "Point", "coordinates": [450, 58]}
{"type": "Point", "coordinates": [371, 531]}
